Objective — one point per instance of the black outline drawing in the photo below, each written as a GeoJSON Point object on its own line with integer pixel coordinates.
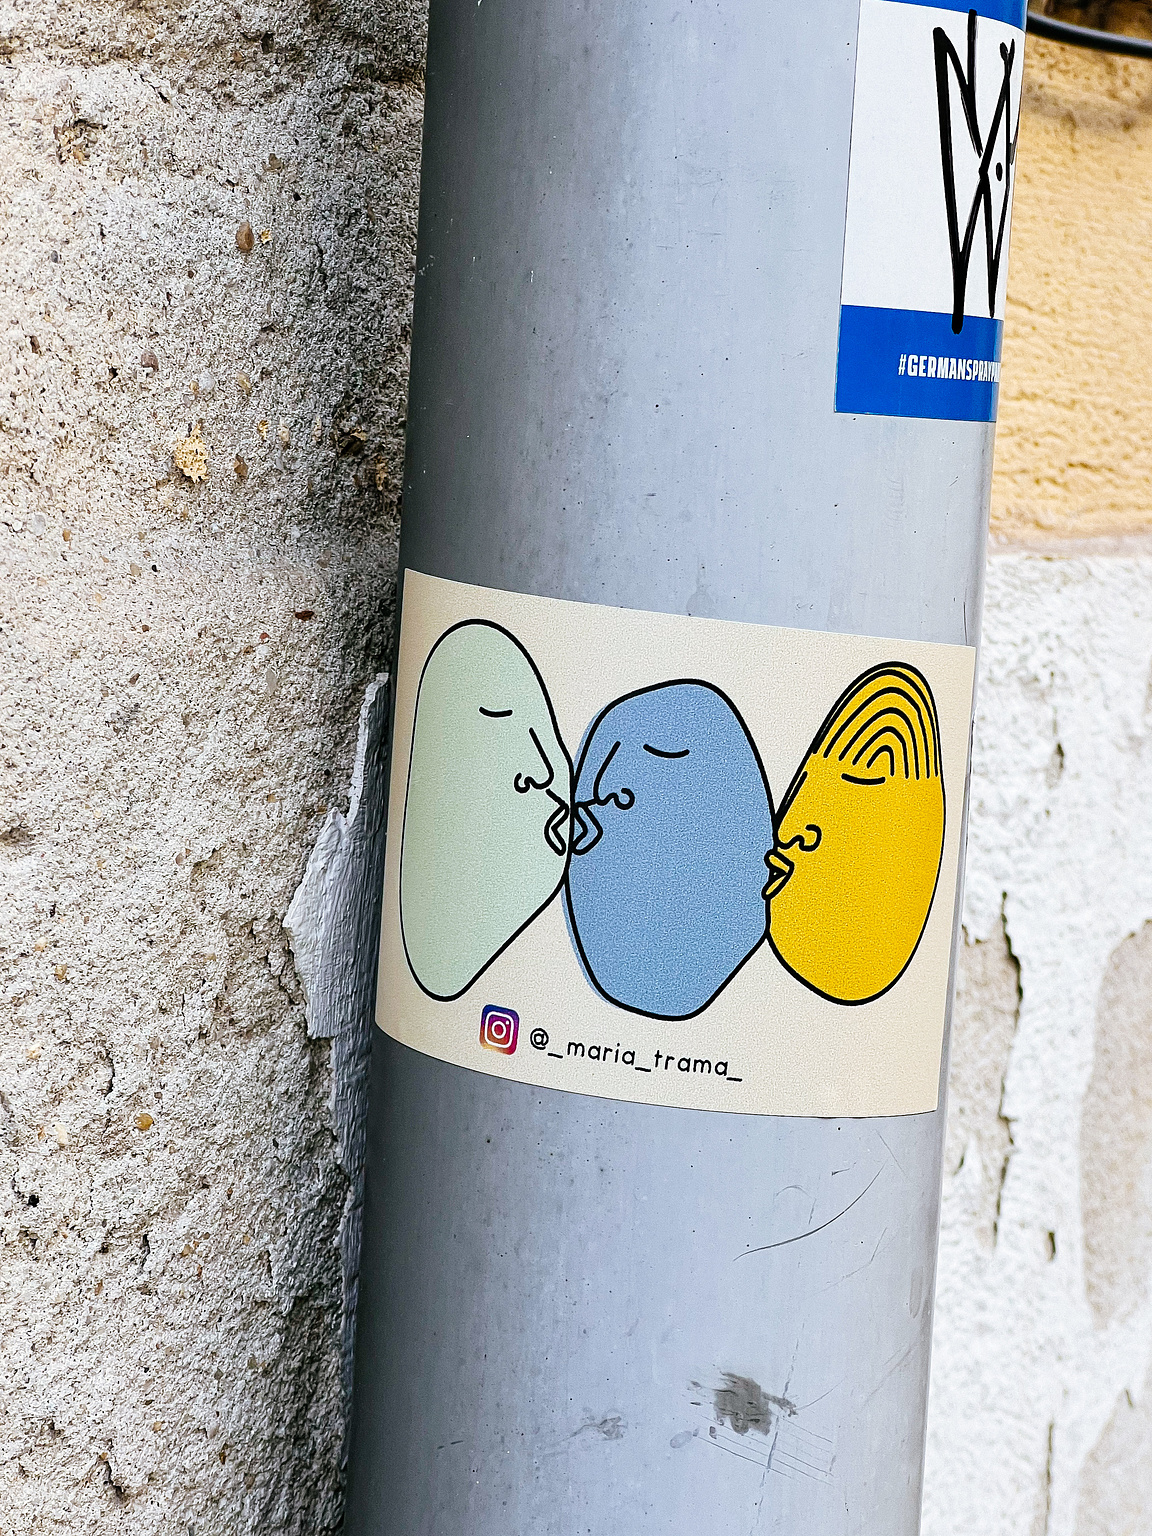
{"type": "Point", "coordinates": [961, 249]}
{"type": "Point", "coordinates": [522, 784]}
{"type": "Point", "coordinates": [918, 746]}
{"type": "Point", "coordinates": [781, 867]}
{"type": "Point", "coordinates": [581, 809]}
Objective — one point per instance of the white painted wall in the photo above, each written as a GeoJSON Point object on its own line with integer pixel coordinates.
{"type": "Point", "coordinates": [1040, 1408]}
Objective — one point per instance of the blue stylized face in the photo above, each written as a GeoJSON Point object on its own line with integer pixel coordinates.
{"type": "Point", "coordinates": [673, 821]}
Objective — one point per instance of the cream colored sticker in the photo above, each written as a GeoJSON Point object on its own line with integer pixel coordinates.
{"type": "Point", "coordinates": [674, 860]}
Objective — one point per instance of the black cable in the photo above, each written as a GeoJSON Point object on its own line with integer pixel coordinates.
{"type": "Point", "coordinates": [1089, 37]}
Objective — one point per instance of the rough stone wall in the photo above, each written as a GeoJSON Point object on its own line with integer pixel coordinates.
{"type": "Point", "coordinates": [207, 219]}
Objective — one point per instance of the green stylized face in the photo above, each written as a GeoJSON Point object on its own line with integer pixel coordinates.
{"type": "Point", "coordinates": [486, 820]}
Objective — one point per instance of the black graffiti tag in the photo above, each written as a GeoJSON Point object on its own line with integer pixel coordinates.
{"type": "Point", "coordinates": [1000, 142]}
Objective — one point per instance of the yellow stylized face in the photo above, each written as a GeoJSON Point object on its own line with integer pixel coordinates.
{"type": "Point", "coordinates": [860, 839]}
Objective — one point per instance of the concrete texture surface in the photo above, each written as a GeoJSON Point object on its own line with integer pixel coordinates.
{"type": "Point", "coordinates": [205, 264]}
{"type": "Point", "coordinates": [206, 251]}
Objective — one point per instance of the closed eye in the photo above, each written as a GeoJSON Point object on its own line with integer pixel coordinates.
{"type": "Point", "coordinates": [656, 752]}
{"type": "Point", "coordinates": [495, 714]}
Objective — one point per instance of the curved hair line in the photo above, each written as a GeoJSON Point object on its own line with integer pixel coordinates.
{"type": "Point", "coordinates": [879, 752]}
{"type": "Point", "coordinates": [917, 681]}
{"type": "Point", "coordinates": [898, 671]}
{"type": "Point", "coordinates": [875, 705]}
{"type": "Point", "coordinates": [888, 729]}
{"type": "Point", "coordinates": [867, 698]}
{"type": "Point", "coordinates": [886, 712]}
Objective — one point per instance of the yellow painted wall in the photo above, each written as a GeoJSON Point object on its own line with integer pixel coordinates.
{"type": "Point", "coordinates": [1074, 444]}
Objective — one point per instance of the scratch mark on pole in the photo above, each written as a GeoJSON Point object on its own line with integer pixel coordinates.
{"type": "Point", "coordinates": [812, 1231]}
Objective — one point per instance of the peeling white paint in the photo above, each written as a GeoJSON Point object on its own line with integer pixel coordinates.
{"type": "Point", "coordinates": [1060, 842]}
{"type": "Point", "coordinates": [333, 923]}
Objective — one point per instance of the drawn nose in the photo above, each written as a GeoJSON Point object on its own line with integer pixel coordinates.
{"type": "Point", "coordinates": [537, 771]}
{"type": "Point", "coordinates": [610, 787]}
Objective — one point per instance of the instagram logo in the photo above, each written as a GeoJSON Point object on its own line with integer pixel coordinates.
{"type": "Point", "coordinates": [498, 1029]}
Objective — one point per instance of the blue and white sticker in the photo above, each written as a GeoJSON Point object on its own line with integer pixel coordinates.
{"type": "Point", "coordinates": [935, 122]}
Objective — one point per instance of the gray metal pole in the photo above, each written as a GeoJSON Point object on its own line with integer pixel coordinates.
{"type": "Point", "coordinates": [625, 354]}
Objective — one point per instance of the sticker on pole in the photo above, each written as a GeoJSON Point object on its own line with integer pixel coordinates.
{"type": "Point", "coordinates": [680, 861]}
{"type": "Point", "coordinates": [935, 122]}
